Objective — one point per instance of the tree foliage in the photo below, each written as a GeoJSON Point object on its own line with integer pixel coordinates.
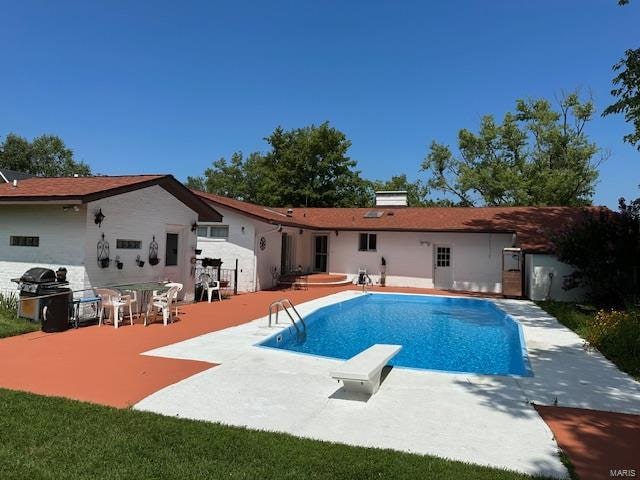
{"type": "Point", "coordinates": [535, 156]}
{"type": "Point", "coordinates": [237, 178]}
{"type": "Point", "coordinates": [46, 156]}
{"type": "Point", "coordinates": [627, 91]}
{"type": "Point", "coordinates": [305, 167]}
{"type": "Point", "coordinates": [604, 248]}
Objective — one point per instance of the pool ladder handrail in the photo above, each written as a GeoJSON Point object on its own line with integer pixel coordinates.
{"type": "Point", "coordinates": [285, 304]}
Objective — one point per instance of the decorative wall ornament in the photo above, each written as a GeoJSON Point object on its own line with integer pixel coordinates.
{"type": "Point", "coordinates": [99, 218]}
{"type": "Point", "coordinates": [263, 243]}
{"type": "Point", "coordinates": [103, 252]}
{"type": "Point", "coordinates": [153, 252]}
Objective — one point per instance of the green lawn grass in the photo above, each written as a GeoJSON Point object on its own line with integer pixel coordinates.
{"type": "Point", "coordinates": [53, 438]}
{"type": "Point", "coordinates": [569, 315]}
{"type": "Point", "coordinates": [11, 325]}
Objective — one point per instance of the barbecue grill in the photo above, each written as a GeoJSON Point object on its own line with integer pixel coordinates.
{"type": "Point", "coordinates": [40, 288]}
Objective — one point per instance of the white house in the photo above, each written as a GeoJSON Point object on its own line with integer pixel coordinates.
{"type": "Point", "coordinates": [445, 248]}
{"type": "Point", "coordinates": [75, 222]}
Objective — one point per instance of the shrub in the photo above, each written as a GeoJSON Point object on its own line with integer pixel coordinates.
{"type": "Point", "coordinates": [616, 334]}
{"type": "Point", "coordinates": [604, 248]}
{"type": "Point", "coordinates": [9, 302]}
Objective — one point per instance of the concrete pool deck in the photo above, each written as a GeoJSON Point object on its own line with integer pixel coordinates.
{"type": "Point", "coordinates": [487, 420]}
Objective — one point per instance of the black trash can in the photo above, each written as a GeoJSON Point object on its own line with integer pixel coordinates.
{"type": "Point", "coordinates": [55, 309]}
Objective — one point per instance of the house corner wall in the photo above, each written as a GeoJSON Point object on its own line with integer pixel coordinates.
{"type": "Point", "coordinates": [544, 275]}
{"type": "Point", "coordinates": [62, 235]}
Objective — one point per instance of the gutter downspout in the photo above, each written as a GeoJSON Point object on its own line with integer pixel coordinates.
{"type": "Point", "coordinates": [255, 253]}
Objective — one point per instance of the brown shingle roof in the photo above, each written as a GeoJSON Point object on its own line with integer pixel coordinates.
{"type": "Point", "coordinates": [534, 226]}
{"type": "Point", "coordinates": [67, 187]}
{"type": "Point", "coordinates": [268, 214]}
{"type": "Point", "coordinates": [87, 189]}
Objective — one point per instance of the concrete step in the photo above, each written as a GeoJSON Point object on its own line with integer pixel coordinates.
{"type": "Point", "coordinates": [315, 280]}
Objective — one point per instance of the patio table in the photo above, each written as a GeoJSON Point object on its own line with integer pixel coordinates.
{"type": "Point", "coordinates": [144, 294]}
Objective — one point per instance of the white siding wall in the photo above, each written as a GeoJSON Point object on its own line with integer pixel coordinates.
{"type": "Point", "coordinates": [139, 215]}
{"type": "Point", "coordinates": [61, 235]}
{"type": "Point", "coordinates": [539, 285]}
{"type": "Point", "coordinates": [476, 258]}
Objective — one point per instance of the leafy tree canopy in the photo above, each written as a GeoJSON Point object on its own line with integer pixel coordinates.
{"type": "Point", "coordinates": [305, 167]}
{"type": "Point", "coordinates": [536, 156]}
{"type": "Point", "coordinates": [46, 156]}
{"type": "Point", "coordinates": [627, 91]}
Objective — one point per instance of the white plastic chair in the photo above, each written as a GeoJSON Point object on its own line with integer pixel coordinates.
{"type": "Point", "coordinates": [210, 286]}
{"type": "Point", "coordinates": [112, 299]}
{"type": "Point", "coordinates": [163, 303]}
{"type": "Point", "coordinates": [180, 287]}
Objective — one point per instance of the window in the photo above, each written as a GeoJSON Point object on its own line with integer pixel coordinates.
{"type": "Point", "coordinates": [368, 242]}
{"type": "Point", "coordinates": [20, 241]}
{"type": "Point", "coordinates": [443, 257]}
{"type": "Point", "coordinates": [171, 251]}
{"type": "Point", "coordinates": [221, 231]}
{"type": "Point", "coordinates": [129, 244]}
{"type": "Point", "coordinates": [214, 231]}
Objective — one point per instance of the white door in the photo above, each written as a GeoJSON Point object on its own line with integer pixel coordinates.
{"type": "Point", "coordinates": [442, 267]}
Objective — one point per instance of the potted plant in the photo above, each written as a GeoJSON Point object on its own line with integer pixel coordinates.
{"type": "Point", "coordinates": [139, 262]}
{"type": "Point", "coordinates": [119, 264]}
{"type": "Point", "coordinates": [104, 262]}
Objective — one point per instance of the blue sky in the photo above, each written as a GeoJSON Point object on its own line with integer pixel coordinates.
{"type": "Point", "coordinates": [170, 86]}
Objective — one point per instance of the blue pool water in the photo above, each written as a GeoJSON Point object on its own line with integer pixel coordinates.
{"type": "Point", "coordinates": [438, 333]}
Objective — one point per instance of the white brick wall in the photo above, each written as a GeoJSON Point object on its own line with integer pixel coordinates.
{"type": "Point", "coordinates": [69, 239]}
{"type": "Point", "coordinates": [243, 245]}
{"type": "Point", "coordinates": [61, 241]}
{"type": "Point", "coordinates": [238, 246]}
{"type": "Point", "coordinates": [139, 215]}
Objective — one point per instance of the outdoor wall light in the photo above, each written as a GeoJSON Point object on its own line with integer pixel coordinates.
{"type": "Point", "coordinates": [194, 226]}
{"type": "Point", "coordinates": [336, 233]}
{"type": "Point", "coordinates": [300, 231]}
{"type": "Point", "coordinates": [71, 208]}
{"type": "Point", "coordinates": [242, 228]}
{"type": "Point", "coordinates": [99, 218]}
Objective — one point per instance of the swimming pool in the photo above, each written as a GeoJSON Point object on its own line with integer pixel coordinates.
{"type": "Point", "coordinates": [436, 333]}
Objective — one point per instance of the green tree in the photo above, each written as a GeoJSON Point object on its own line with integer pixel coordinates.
{"type": "Point", "coordinates": [627, 91]}
{"type": "Point", "coordinates": [305, 166]}
{"type": "Point", "coordinates": [536, 156]}
{"type": "Point", "coordinates": [233, 178]}
{"type": "Point", "coordinates": [310, 166]}
{"type": "Point", "coordinates": [46, 156]}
